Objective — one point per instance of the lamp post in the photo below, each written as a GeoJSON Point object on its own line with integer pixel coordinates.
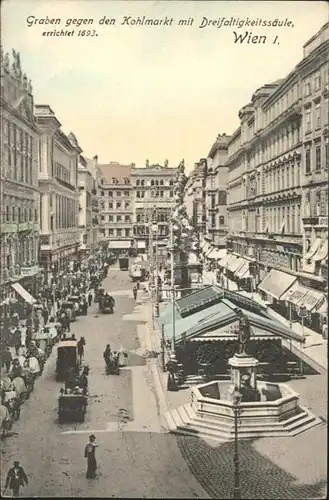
{"type": "Point", "coordinates": [302, 313]}
{"type": "Point", "coordinates": [236, 398]}
{"type": "Point", "coordinates": [172, 280]}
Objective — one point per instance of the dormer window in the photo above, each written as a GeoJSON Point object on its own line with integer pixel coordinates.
{"type": "Point", "coordinates": [114, 180]}
{"type": "Point", "coordinates": [126, 180]}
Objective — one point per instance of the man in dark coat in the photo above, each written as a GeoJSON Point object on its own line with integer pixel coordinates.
{"type": "Point", "coordinates": [16, 478]}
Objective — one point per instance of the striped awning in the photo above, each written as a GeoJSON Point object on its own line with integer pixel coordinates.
{"type": "Point", "coordinates": [234, 263]}
{"type": "Point", "coordinates": [312, 300]}
{"type": "Point", "coordinates": [276, 283]}
{"type": "Point", "coordinates": [243, 270]}
{"type": "Point", "coordinates": [224, 261]}
{"type": "Point", "coordinates": [322, 252]}
{"type": "Point", "coordinates": [314, 248]}
{"type": "Point", "coordinates": [298, 294]}
{"type": "Point", "coordinates": [216, 254]}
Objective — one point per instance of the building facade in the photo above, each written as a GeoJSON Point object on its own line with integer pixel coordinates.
{"type": "Point", "coordinates": [92, 167]}
{"type": "Point", "coordinates": [59, 193]}
{"type": "Point", "coordinates": [153, 187]}
{"type": "Point", "coordinates": [116, 200]}
{"type": "Point", "coordinates": [195, 195]}
{"type": "Point", "coordinates": [314, 71]}
{"type": "Point", "coordinates": [88, 209]}
{"type": "Point", "coordinates": [277, 176]}
{"type": "Point", "coordinates": [216, 192]}
{"type": "Point", "coordinates": [19, 243]}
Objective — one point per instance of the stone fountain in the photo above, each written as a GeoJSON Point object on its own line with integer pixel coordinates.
{"type": "Point", "coordinates": [265, 410]}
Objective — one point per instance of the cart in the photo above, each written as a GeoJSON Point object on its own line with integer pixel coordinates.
{"type": "Point", "coordinates": [67, 359]}
{"type": "Point", "coordinates": [72, 407]}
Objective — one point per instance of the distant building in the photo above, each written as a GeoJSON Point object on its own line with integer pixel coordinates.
{"type": "Point", "coordinates": [216, 191]}
{"type": "Point", "coordinates": [314, 71]}
{"type": "Point", "coordinates": [88, 208]}
{"type": "Point", "coordinates": [153, 187]}
{"type": "Point", "coordinates": [59, 194]}
{"type": "Point", "coordinates": [19, 195]}
{"type": "Point", "coordinates": [195, 197]}
{"type": "Point", "coordinates": [278, 187]}
{"type": "Point", "coordinates": [116, 205]}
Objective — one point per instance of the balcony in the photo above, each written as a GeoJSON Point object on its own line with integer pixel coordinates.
{"type": "Point", "coordinates": [65, 184]}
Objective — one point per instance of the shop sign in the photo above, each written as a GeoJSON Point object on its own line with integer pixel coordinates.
{"type": "Point", "coordinates": [29, 271]}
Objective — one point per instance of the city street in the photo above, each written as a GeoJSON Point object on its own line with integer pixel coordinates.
{"type": "Point", "coordinates": [141, 461]}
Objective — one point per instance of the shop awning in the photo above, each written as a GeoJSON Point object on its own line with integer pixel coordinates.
{"type": "Point", "coordinates": [223, 262]}
{"type": "Point", "coordinates": [234, 263]}
{"type": "Point", "coordinates": [276, 283]}
{"type": "Point", "coordinates": [322, 252]}
{"type": "Point", "coordinates": [242, 269]}
{"type": "Point", "coordinates": [205, 248]}
{"type": "Point", "coordinates": [314, 248]}
{"type": "Point", "coordinates": [119, 244]}
{"type": "Point", "coordinates": [23, 293]}
{"type": "Point", "coordinates": [141, 244]}
{"type": "Point", "coordinates": [209, 251]}
{"type": "Point", "coordinates": [323, 309]}
{"type": "Point", "coordinates": [216, 254]}
{"type": "Point", "coordinates": [312, 299]}
{"type": "Point", "coordinates": [297, 295]}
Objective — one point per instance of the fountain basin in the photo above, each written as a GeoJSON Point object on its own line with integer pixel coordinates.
{"type": "Point", "coordinates": [210, 414]}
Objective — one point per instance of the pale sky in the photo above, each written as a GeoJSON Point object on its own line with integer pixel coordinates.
{"type": "Point", "coordinates": [137, 92]}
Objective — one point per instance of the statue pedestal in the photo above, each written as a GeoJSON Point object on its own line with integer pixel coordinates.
{"type": "Point", "coordinates": [242, 364]}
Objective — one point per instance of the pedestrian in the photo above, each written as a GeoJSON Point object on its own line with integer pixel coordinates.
{"type": "Point", "coordinates": [90, 298]}
{"type": "Point", "coordinates": [45, 315]}
{"type": "Point", "coordinates": [16, 478]}
{"type": "Point", "coordinates": [90, 456]}
{"type": "Point", "coordinates": [325, 330]}
{"type": "Point", "coordinates": [135, 292]}
{"type": "Point", "coordinates": [7, 359]}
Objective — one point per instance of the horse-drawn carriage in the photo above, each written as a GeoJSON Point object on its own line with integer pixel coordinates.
{"type": "Point", "coordinates": [106, 304]}
{"type": "Point", "coordinates": [67, 359]}
{"type": "Point", "coordinates": [72, 407]}
{"type": "Point", "coordinates": [68, 308]}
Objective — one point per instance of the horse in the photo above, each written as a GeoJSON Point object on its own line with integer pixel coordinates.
{"type": "Point", "coordinates": [5, 420]}
{"type": "Point", "coordinates": [80, 345]}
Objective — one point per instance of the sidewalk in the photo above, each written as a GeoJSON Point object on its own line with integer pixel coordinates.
{"type": "Point", "coordinates": [315, 347]}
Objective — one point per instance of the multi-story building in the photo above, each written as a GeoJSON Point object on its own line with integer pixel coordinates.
{"type": "Point", "coordinates": [314, 71]}
{"type": "Point", "coordinates": [88, 206]}
{"type": "Point", "coordinates": [19, 240]}
{"type": "Point", "coordinates": [59, 193]}
{"type": "Point", "coordinates": [195, 196]}
{"type": "Point", "coordinates": [116, 205]}
{"type": "Point", "coordinates": [216, 192]}
{"type": "Point", "coordinates": [153, 201]}
{"type": "Point", "coordinates": [92, 166]}
{"type": "Point", "coordinates": [271, 176]}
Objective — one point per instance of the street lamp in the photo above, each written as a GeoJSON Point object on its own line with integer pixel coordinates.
{"type": "Point", "coordinates": [302, 313]}
{"type": "Point", "coordinates": [236, 399]}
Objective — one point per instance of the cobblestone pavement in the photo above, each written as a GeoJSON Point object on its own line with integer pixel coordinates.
{"type": "Point", "coordinates": [138, 464]}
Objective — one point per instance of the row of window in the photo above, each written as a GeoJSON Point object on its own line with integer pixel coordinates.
{"type": "Point", "coordinates": [17, 153]}
{"type": "Point", "coordinates": [116, 232]}
{"type": "Point", "coordinates": [62, 173]}
{"type": "Point", "coordinates": [214, 218]}
{"type": "Point", "coordinates": [155, 194]}
{"type": "Point", "coordinates": [159, 217]}
{"type": "Point", "coordinates": [115, 180]}
{"type": "Point", "coordinates": [316, 117]}
{"type": "Point", "coordinates": [314, 81]}
{"type": "Point", "coordinates": [161, 182]}
{"type": "Point", "coordinates": [317, 158]}
{"type": "Point", "coordinates": [118, 193]}
{"type": "Point", "coordinates": [16, 214]}
{"type": "Point", "coordinates": [118, 205]}
{"type": "Point", "coordinates": [117, 218]}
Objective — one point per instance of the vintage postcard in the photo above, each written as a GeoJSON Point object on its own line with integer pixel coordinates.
{"type": "Point", "coordinates": [164, 249]}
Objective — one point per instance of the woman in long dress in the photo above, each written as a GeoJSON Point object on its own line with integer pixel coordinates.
{"type": "Point", "coordinates": [90, 456]}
